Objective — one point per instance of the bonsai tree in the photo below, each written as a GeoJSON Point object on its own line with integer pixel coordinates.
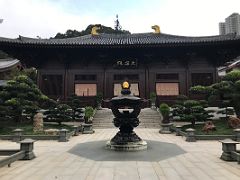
{"type": "Point", "coordinates": [191, 110]}
{"type": "Point", "coordinates": [20, 98]}
{"type": "Point", "coordinates": [75, 104]}
{"type": "Point", "coordinates": [153, 98]}
{"type": "Point", "coordinates": [89, 111]}
{"type": "Point", "coordinates": [181, 98]}
{"type": "Point", "coordinates": [226, 110]}
{"type": "Point", "coordinates": [226, 90]}
{"type": "Point", "coordinates": [61, 113]}
{"type": "Point", "coordinates": [99, 98]}
{"type": "Point", "coordinates": [165, 110]}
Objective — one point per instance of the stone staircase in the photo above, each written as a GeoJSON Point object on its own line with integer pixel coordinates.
{"type": "Point", "coordinates": [148, 117]}
{"type": "Point", "coordinates": [103, 119]}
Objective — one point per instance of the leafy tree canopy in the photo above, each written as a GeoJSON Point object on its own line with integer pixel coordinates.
{"type": "Point", "coordinates": [227, 90]}
{"type": "Point", "coordinates": [19, 98]}
{"type": "Point", "coordinates": [190, 110]}
{"type": "Point", "coordinates": [103, 29]}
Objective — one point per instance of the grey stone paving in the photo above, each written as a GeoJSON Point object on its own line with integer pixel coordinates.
{"type": "Point", "coordinates": [156, 151]}
{"type": "Point", "coordinates": [56, 161]}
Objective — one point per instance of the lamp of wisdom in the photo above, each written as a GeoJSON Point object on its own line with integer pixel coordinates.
{"type": "Point", "coordinates": [126, 109]}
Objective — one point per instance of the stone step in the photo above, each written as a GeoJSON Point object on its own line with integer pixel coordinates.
{"type": "Point", "coordinates": [140, 119]}
{"type": "Point", "coordinates": [140, 126]}
{"type": "Point", "coordinates": [111, 124]}
{"type": "Point", "coordinates": [147, 126]}
{"type": "Point", "coordinates": [148, 118]}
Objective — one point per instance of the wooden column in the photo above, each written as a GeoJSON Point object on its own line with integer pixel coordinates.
{"type": "Point", "coordinates": [65, 82]}
{"type": "Point", "coordinates": [146, 82]}
{"type": "Point", "coordinates": [187, 75]}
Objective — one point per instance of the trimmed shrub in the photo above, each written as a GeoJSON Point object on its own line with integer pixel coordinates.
{"type": "Point", "coordinates": [153, 96]}
{"type": "Point", "coordinates": [191, 110]}
{"type": "Point", "coordinates": [89, 111]}
{"type": "Point", "coordinates": [165, 111]}
{"type": "Point", "coordinates": [232, 76]}
{"type": "Point", "coordinates": [21, 98]}
{"type": "Point", "coordinates": [61, 113]}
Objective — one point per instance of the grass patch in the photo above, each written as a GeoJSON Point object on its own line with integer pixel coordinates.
{"type": "Point", "coordinates": [221, 128]}
{"type": "Point", "coordinates": [7, 128]}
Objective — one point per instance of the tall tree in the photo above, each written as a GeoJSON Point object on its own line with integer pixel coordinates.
{"type": "Point", "coordinates": [103, 29]}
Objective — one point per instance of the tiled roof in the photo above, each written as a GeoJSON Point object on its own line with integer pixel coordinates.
{"type": "Point", "coordinates": [121, 40]}
{"type": "Point", "coordinates": [6, 64]}
{"type": "Point", "coordinates": [231, 65]}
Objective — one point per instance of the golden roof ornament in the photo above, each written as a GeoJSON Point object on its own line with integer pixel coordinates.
{"type": "Point", "coordinates": [94, 30]}
{"type": "Point", "coordinates": [157, 29]}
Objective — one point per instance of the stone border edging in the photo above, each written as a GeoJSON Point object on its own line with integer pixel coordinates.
{"type": "Point", "coordinates": [24, 153]}
{"type": "Point", "coordinates": [36, 137]}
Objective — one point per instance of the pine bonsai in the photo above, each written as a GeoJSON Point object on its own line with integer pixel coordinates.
{"type": "Point", "coordinates": [20, 98]}
{"type": "Point", "coordinates": [191, 110]}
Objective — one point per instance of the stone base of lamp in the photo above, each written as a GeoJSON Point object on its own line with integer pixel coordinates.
{"type": "Point", "coordinates": [130, 146]}
{"type": "Point", "coordinates": [126, 142]}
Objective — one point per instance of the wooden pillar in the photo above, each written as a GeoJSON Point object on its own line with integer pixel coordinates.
{"type": "Point", "coordinates": [146, 82]}
{"type": "Point", "coordinates": [104, 82]}
{"type": "Point", "coordinates": [65, 82]}
{"type": "Point", "coordinates": [187, 76]}
{"type": "Point", "coordinates": [39, 79]}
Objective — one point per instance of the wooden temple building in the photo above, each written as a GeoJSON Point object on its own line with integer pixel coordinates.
{"type": "Point", "coordinates": [153, 62]}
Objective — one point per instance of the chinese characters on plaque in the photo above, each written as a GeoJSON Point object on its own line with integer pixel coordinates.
{"type": "Point", "coordinates": [126, 63]}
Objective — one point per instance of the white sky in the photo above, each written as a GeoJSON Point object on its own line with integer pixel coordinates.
{"type": "Point", "coordinates": [45, 18]}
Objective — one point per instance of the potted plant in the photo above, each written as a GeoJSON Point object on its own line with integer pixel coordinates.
{"type": "Point", "coordinates": [165, 110]}
{"type": "Point", "coordinates": [88, 116]}
{"type": "Point", "coordinates": [153, 97]}
{"type": "Point", "coordinates": [99, 98]}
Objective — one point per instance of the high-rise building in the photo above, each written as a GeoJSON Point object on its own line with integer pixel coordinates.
{"type": "Point", "coordinates": [222, 28]}
{"type": "Point", "coordinates": [231, 25]}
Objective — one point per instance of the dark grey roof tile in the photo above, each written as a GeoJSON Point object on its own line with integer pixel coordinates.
{"type": "Point", "coordinates": [122, 39]}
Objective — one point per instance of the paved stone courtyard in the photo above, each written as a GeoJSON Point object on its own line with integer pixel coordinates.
{"type": "Point", "coordinates": [61, 161]}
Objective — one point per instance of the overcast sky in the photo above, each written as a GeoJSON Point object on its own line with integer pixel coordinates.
{"type": "Point", "coordinates": [45, 18]}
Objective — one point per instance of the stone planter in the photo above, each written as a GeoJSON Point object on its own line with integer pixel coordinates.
{"type": "Point", "coordinates": [165, 128]}
{"type": "Point", "coordinates": [87, 128]}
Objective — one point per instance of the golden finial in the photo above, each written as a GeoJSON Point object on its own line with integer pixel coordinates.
{"type": "Point", "coordinates": [125, 85]}
{"type": "Point", "coordinates": [94, 30]}
{"type": "Point", "coordinates": [156, 28]}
